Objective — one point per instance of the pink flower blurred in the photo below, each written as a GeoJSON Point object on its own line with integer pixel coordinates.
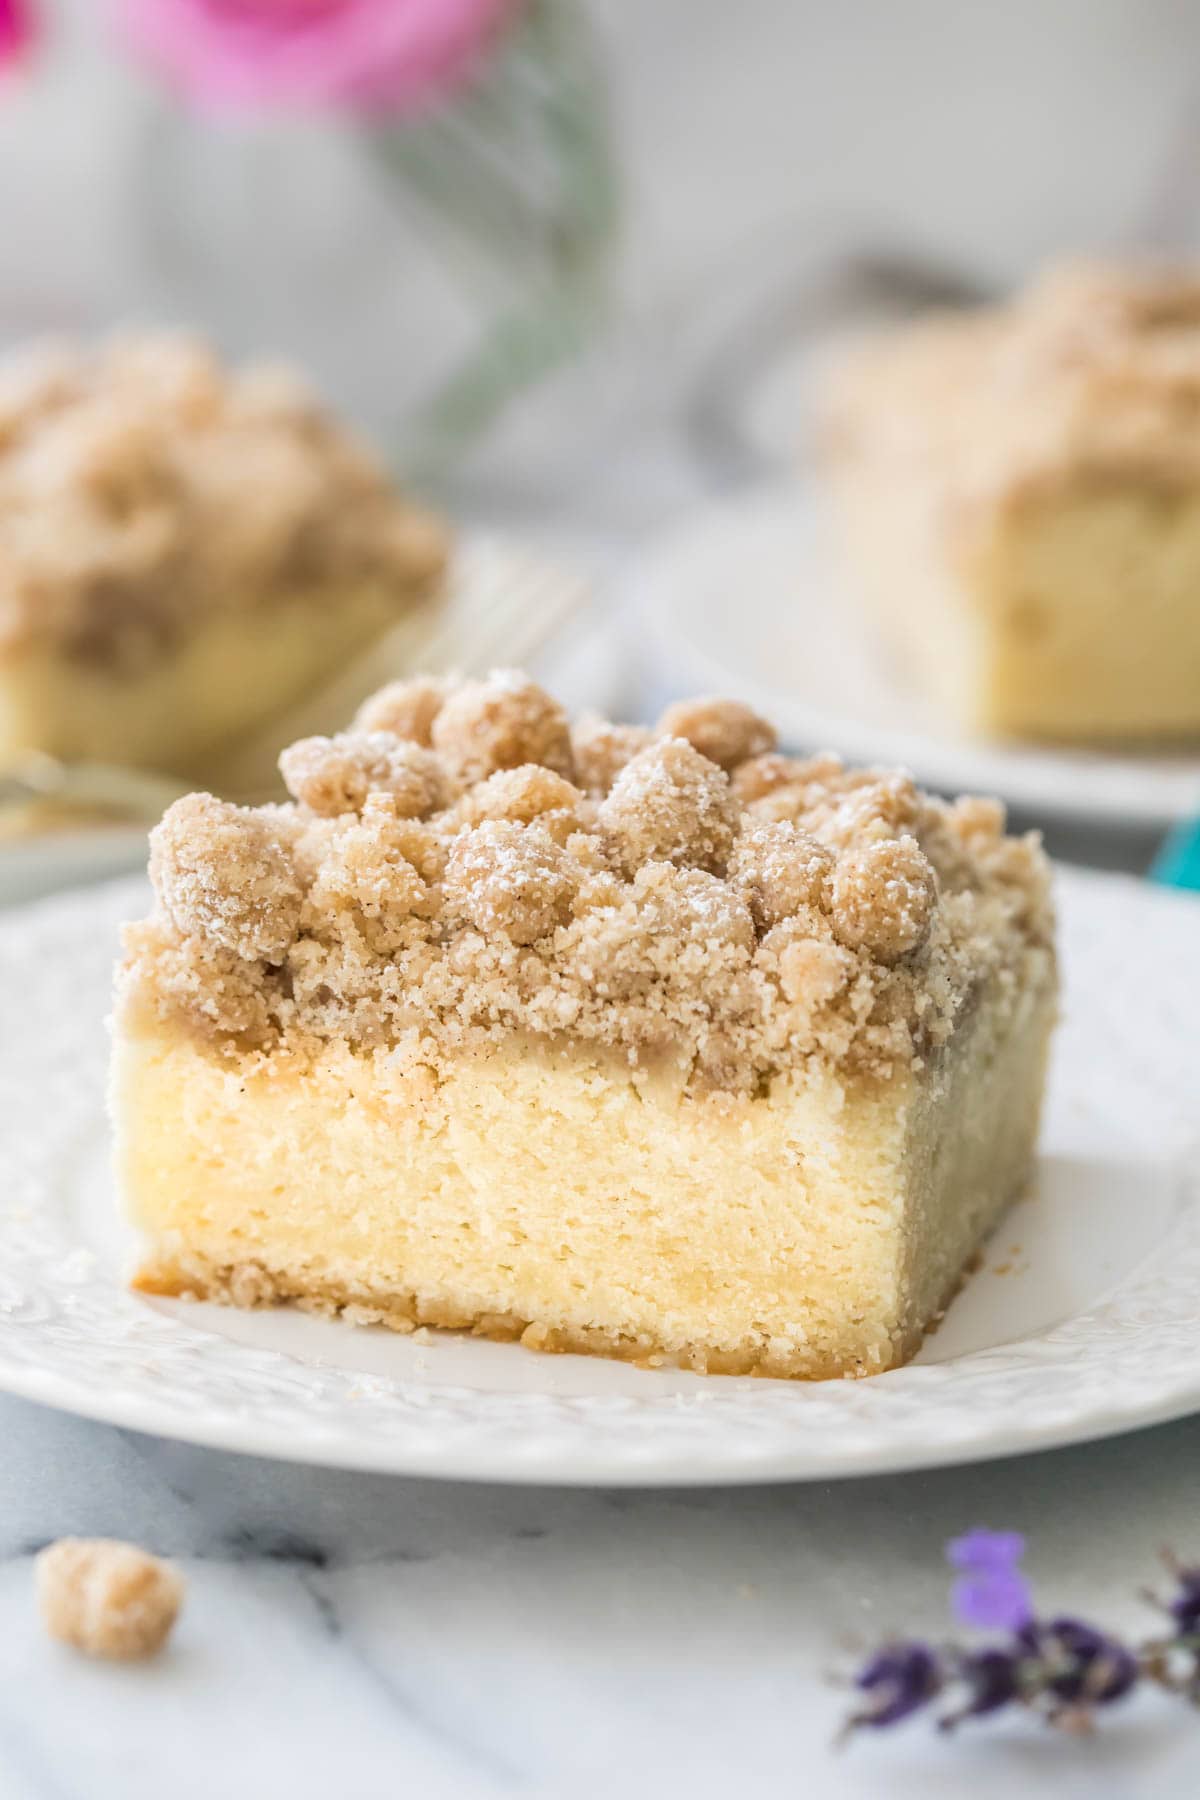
{"type": "Point", "coordinates": [376, 55]}
{"type": "Point", "coordinates": [16, 30]}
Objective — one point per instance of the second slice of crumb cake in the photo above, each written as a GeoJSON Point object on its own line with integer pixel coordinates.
{"type": "Point", "coordinates": [187, 552]}
{"type": "Point", "coordinates": [1017, 498]}
{"type": "Point", "coordinates": [654, 1043]}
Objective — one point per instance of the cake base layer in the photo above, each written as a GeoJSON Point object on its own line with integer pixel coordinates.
{"type": "Point", "coordinates": [184, 710]}
{"type": "Point", "coordinates": [1095, 627]}
{"type": "Point", "coordinates": [1074, 619]}
{"type": "Point", "coordinates": [817, 1230]}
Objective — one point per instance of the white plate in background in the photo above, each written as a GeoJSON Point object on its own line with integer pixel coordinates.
{"type": "Point", "coordinates": [1080, 1324]}
{"type": "Point", "coordinates": [740, 600]}
{"type": "Point", "coordinates": [33, 866]}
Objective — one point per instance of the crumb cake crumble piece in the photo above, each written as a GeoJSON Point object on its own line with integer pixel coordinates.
{"type": "Point", "coordinates": [549, 973]}
{"type": "Point", "coordinates": [670, 804]}
{"type": "Point", "coordinates": [225, 873]}
{"type": "Point", "coordinates": [109, 1599]}
{"type": "Point", "coordinates": [882, 898]}
{"type": "Point", "coordinates": [336, 775]}
{"type": "Point", "coordinates": [527, 794]}
{"type": "Point", "coordinates": [501, 723]}
{"type": "Point", "coordinates": [406, 709]}
{"type": "Point", "coordinates": [601, 750]}
{"type": "Point", "coordinates": [725, 731]}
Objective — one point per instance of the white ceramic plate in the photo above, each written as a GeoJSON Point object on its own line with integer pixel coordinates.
{"type": "Point", "coordinates": [1083, 1321]}
{"type": "Point", "coordinates": [740, 600]}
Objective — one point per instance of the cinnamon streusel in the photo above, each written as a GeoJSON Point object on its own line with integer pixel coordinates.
{"type": "Point", "coordinates": [1017, 496]}
{"type": "Point", "coordinates": [590, 1038]}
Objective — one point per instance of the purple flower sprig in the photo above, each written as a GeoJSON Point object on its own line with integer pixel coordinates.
{"type": "Point", "coordinates": [990, 1592]}
{"type": "Point", "coordinates": [1061, 1670]}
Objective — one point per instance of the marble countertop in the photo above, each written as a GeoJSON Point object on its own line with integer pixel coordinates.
{"type": "Point", "coordinates": [358, 1634]}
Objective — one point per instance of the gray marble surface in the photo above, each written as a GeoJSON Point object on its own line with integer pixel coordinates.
{"type": "Point", "coordinates": [353, 1634]}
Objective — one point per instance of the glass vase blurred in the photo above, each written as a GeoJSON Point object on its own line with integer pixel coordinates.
{"type": "Point", "coordinates": [425, 270]}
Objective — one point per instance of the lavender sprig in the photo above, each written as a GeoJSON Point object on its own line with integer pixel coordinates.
{"type": "Point", "coordinates": [1060, 1669]}
{"type": "Point", "coordinates": [991, 1591]}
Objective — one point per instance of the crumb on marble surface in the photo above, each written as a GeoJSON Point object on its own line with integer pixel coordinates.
{"type": "Point", "coordinates": [106, 1598]}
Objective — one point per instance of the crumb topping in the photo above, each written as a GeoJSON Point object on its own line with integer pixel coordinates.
{"type": "Point", "coordinates": [670, 804]}
{"type": "Point", "coordinates": [1092, 371]}
{"type": "Point", "coordinates": [882, 895]}
{"type": "Point", "coordinates": [423, 898]}
{"type": "Point", "coordinates": [405, 708]}
{"type": "Point", "coordinates": [107, 1598]}
{"type": "Point", "coordinates": [508, 881]}
{"type": "Point", "coordinates": [725, 731]}
{"type": "Point", "coordinates": [779, 870]}
{"type": "Point", "coordinates": [225, 873]}
{"type": "Point", "coordinates": [335, 775]}
{"type": "Point", "coordinates": [501, 723]}
{"type": "Point", "coordinates": [143, 486]}
{"type": "Point", "coordinates": [525, 794]}
{"type": "Point", "coordinates": [602, 749]}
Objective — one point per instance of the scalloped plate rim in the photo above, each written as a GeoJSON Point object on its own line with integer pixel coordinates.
{"type": "Point", "coordinates": [358, 1455]}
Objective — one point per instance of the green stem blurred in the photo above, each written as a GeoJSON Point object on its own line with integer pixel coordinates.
{"type": "Point", "coordinates": [517, 183]}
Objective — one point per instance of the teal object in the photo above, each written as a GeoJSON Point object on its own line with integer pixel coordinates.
{"type": "Point", "coordinates": [1178, 862]}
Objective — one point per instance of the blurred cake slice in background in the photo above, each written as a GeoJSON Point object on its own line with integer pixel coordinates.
{"type": "Point", "coordinates": [1016, 492]}
{"type": "Point", "coordinates": [186, 553]}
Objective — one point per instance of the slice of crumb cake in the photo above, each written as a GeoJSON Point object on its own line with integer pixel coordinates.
{"type": "Point", "coordinates": [1016, 493]}
{"type": "Point", "coordinates": [654, 1043]}
{"type": "Point", "coordinates": [188, 552]}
